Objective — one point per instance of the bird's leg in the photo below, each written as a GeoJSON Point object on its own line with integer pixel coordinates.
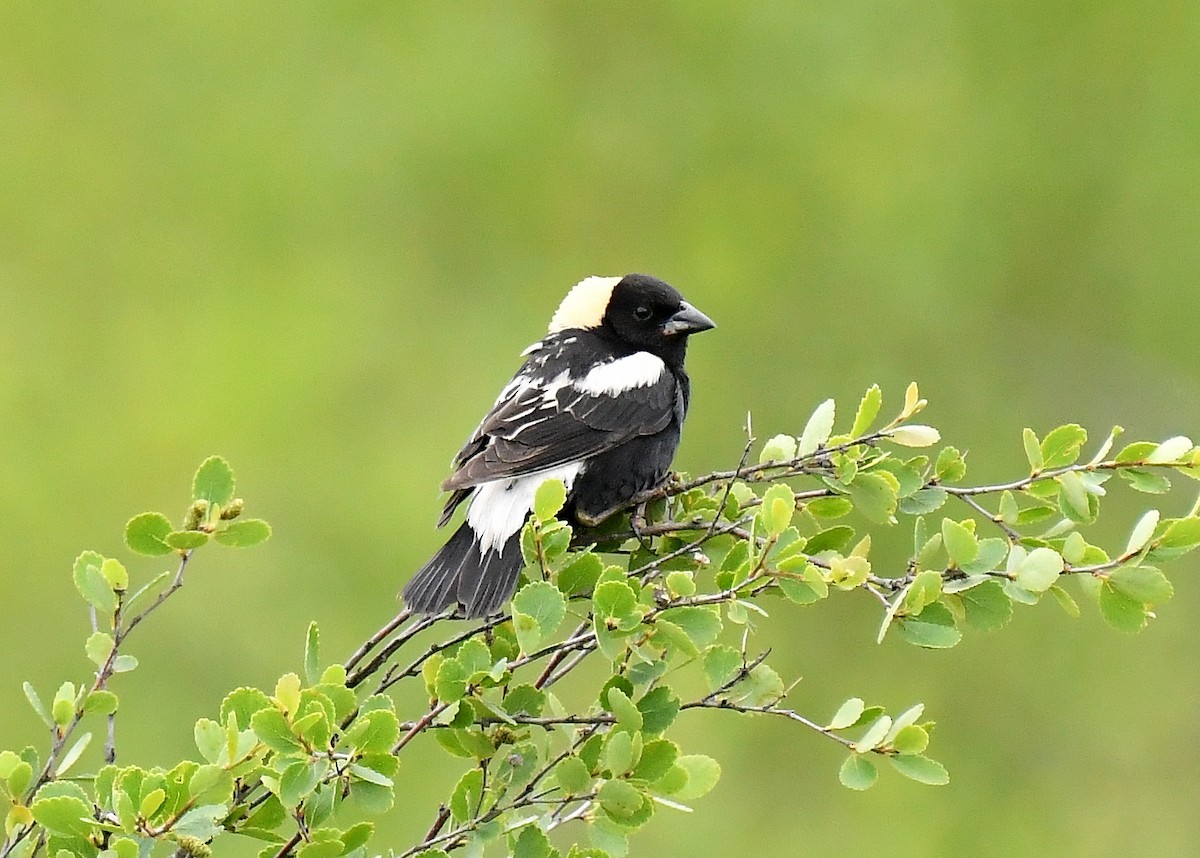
{"type": "Point", "coordinates": [637, 523]}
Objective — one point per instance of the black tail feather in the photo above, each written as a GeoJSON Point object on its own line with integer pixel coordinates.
{"type": "Point", "coordinates": [480, 582]}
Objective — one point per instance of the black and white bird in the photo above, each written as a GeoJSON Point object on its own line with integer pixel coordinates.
{"type": "Point", "coordinates": [599, 404]}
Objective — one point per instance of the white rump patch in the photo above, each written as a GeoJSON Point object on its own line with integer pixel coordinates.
{"type": "Point", "coordinates": [584, 305]}
{"type": "Point", "coordinates": [498, 509]}
{"type": "Point", "coordinates": [640, 369]}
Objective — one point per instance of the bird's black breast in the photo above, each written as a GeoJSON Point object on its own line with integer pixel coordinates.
{"type": "Point", "coordinates": [613, 478]}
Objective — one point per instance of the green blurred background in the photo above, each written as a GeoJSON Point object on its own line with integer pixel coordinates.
{"type": "Point", "coordinates": [314, 238]}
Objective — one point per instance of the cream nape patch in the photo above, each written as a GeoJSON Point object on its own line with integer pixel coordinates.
{"type": "Point", "coordinates": [499, 508]}
{"type": "Point", "coordinates": [585, 304]}
{"type": "Point", "coordinates": [640, 369]}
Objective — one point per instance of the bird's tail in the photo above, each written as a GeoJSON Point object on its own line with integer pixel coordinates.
{"type": "Point", "coordinates": [479, 581]}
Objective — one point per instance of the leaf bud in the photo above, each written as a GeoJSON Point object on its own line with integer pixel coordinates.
{"type": "Point", "coordinates": [233, 510]}
{"type": "Point", "coordinates": [196, 514]}
{"type": "Point", "coordinates": [193, 846]}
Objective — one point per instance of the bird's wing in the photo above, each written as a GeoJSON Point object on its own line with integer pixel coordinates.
{"type": "Point", "coordinates": [550, 414]}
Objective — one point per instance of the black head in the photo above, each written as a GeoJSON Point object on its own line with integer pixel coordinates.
{"type": "Point", "coordinates": [639, 311]}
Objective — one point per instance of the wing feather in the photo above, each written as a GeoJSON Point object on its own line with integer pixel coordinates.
{"type": "Point", "coordinates": [545, 420]}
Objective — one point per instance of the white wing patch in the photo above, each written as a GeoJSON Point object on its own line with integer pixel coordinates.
{"type": "Point", "coordinates": [499, 508]}
{"type": "Point", "coordinates": [640, 369]}
{"type": "Point", "coordinates": [585, 304]}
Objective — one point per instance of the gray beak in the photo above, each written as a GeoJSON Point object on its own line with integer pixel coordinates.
{"type": "Point", "coordinates": [688, 320]}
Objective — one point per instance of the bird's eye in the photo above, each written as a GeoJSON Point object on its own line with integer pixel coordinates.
{"type": "Point", "coordinates": [642, 313]}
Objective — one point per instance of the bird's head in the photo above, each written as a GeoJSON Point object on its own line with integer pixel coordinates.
{"type": "Point", "coordinates": [637, 310]}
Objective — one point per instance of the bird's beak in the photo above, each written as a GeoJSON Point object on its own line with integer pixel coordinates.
{"type": "Point", "coordinates": [688, 320]}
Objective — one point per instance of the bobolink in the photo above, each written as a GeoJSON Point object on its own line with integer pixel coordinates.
{"type": "Point", "coordinates": [599, 404]}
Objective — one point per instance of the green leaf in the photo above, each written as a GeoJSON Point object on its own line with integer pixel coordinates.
{"type": "Point", "coordinates": [374, 732]}
{"type": "Point", "coordinates": [211, 785]}
{"type": "Point", "coordinates": [1147, 482]}
{"type": "Point", "coordinates": [98, 647]}
{"type": "Point", "coordinates": [580, 575]}
{"type": "Point", "coordinates": [1181, 533]}
{"type": "Point", "coordinates": [115, 573]}
{"type": "Point", "coordinates": [549, 499]}
{"type": "Point", "coordinates": [244, 533]}
{"type": "Point", "coordinates": [1139, 538]}
{"type": "Point", "coordinates": [920, 769]}
{"type": "Point", "coordinates": [538, 611]}
{"type": "Point", "coordinates": [1033, 450]}
{"type": "Point", "coordinates": [1171, 450]}
{"type": "Point", "coordinates": [467, 792]}
{"type": "Point", "coordinates": [933, 628]}
{"type": "Point", "coordinates": [1065, 601]}
{"type": "Point", "coordinates": [960, 542]}
{"type": "Point", "coordinates": [868, 410]}
{"type": "Point", "coordinates": [780, 448]}
{"type": "Point", "coordinates": [703, 773]}
{"type": "Point", "coordinates": [681, 583]}
{"type": "Point", "coordinates": [71, 757]}
{"type": "Point", "coordinates": [63, 814]}
{"type": "Point", "coordinates": [1143, 584]}
{"type": "Point", "coordinates": [627, 714]}
{"type": "Point", "coordinates": [94, 587]}
{"type": "Point", "coordinates": [100, 702]}
{"type": "Point", "coordinates": [925, 589]}
{"type": "Point", "coordinates": [1074, 500]}
{"type": "Point", "coordinates": [809, 588]}
{"type": "Point", "coordinates": [778, 505]}
{"type": "Point", "coordinates": [203, 822]}
{"type": "Point", "coordinates": [210, 739]}
{"type": "Point", "coordinates": [524, 700]}
{"type": "Point", "coordinates": [614, 601]}
{"type": "Point", "coordinates": [987, 606]}
{"type": "Point", "coordinates": [950, 466]}
{"type": "Point", "coordinates": [874, 495]}
{"type": "Point", "coordinates": [287, 693]}
{"type": "Point", "coordinates": [923, 501]}
{"type": "Point", "coordinates": [818, 429]}
{"type": "Point", "coordinates": [213, 481]}
{"type": "Point", "coordinates": [836, 538]}
{"type": "Point", "coordinates": [911, 739]}
{"type": "Point", "coordinates": [573, 776]}
{"type": "Point", "coordinates": [830, 507]}
{"type": "Point", "coordinates": [186, 540]}
{"type": "Point", "coordinates": [721, 663]}
{"type": "Point", "coordinates": [847, 715]}
{"type": "Point", "coordinates": [659, 706]}
{"type": "Point", "coordinates": [991, 552]}
{"type": "Point", "coordinates": [874, 735]}
{"type": "Point", "coordinates": [914, 435]}
{"type": "Point", "coordinates": [1121, 611]}
{"type": "Point", "coordinates": [312, 654]}
{"type": "Point", "coordinates": [36, 702]}
{"type": "Point", "coordinates": [299, 780]}
{"type": "Point", "coordinates": [1038, 570]}
{"type": "Point", "coordinates": [1008, 507]}
{"type": "Point", "coordinates": [857, 772]}
{"type": "Point", "coordinates": [357, 835]}
{"type": "Point", "coordinates": [124, 664]}
{"type": "Point", "coordinates": [321, 849]}
{"type": "Point", "coordinates": [273, 730]}
{"type": "Point", "coordinates": [532, 843]}
{"type": "Point", "coordinates": [658, 757]}
{"type": "Point", "coordinates": [702, 623]}
{"type": "Point", "coordinates": [619, 752]}
{"type": "Point", "coordinates": [620, 799]}
{"type": "Point", "coordinates": [242, 703]}
{"type": "Point", "coordinates": [1061, 447]}
{"type": "Point", "coordinates": [147, 533]}
{"type": "Point", "coordinates": [62, 709]}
